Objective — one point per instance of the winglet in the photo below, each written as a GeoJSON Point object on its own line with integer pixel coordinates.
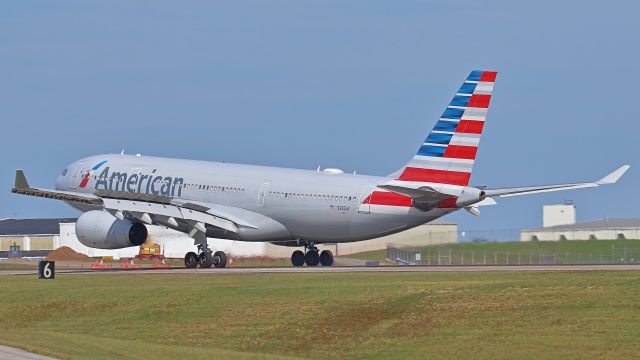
{"type": "Point", "coordinates": [21, 180]}
{"type": "Point", "coordinates": [614, 176]}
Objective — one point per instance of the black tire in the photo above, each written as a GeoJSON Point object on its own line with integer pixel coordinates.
{"type": "Point", "coordinates": [297, 258]}
{"type": "Point", "coordinates": [190, 260]}
{"type": "Point", "coordinates": [312, 258]}
{"type": "Point", "coordinates": [219, 259]}
{"type": "Point", "coordinates": [326, 258]}
{"type": "Point", "coordinates": [205, 260]}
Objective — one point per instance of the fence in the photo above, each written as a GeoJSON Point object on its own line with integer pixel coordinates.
{"type": "Point", "coordinates": [449, 256]}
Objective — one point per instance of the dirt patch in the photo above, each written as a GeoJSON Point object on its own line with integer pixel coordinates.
{"type": "Point", "coordinates": [65, 253]}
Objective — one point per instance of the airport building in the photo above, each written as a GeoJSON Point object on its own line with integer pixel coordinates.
{"type": "Point", "coordinates": [45, 235]}
{"type": "Point", "coordinates": [34, 237]}
{"type": "Point", "coordinates": [559, 223]}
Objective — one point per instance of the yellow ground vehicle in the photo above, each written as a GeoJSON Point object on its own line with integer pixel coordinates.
{"type": "Point", "coordinates": [150, 251]}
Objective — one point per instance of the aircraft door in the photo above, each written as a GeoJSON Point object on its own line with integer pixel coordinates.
{"type": "Point", "coordinates": [262, 194]}
{"type": "Point", "coordinates": [77, 176]}
{"type": "Point", "coordinates": [364, 201]}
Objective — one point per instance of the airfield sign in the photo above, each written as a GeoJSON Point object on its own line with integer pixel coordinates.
{"type": "Point", "coordinates": [47, 270]}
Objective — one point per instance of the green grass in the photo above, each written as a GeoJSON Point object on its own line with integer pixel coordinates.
{"type": "Point", "coordinates": [586, 248]}
{"type": "Point", "coordinates": [532, 315]}
{"type": "Point", "coordinates": [18, 266]}
{"type": "Point", "coordinates": [145, 263]}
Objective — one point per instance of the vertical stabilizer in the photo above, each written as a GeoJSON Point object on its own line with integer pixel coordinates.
{"type": "Point", "coordinates": [448, 153]}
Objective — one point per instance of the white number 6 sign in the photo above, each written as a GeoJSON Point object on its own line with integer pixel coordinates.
{"type": "Point", "coordinates": [47, 270]}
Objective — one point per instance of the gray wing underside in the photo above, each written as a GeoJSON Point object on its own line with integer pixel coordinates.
{"type": "Point", "coordinates": [150, 209]}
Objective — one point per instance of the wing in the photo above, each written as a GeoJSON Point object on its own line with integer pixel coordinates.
{"type": "Point", "coordinates": [609, 179]}
{"type": "Point", "coordinates": [186, 216]}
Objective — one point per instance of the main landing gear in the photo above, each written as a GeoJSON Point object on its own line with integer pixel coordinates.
{"type": "Point", "coordinates": [206, 258]}
{"type": "Point", "coordinates": [311, 257]}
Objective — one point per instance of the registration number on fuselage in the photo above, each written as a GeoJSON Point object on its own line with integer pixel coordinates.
{"type": "Point", "coordinates": [340, 207]}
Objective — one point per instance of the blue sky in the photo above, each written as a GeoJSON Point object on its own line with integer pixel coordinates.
{"type": "Point", "coordinates": [349, 84]}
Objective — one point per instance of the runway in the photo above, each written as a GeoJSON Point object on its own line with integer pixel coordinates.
{"type": "Point", "coordinates": [341, 269]}
{"type": "Point", "coordinates": [9, 353]}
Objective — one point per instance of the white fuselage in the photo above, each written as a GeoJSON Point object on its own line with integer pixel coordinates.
{"type": "Point", "coordinates": [286, 204]}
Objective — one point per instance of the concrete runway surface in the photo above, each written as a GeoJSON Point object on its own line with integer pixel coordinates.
{"type": "Point", "coordinates": [342, 269]}
{"type": "Point", "coordinates": [9, 353]}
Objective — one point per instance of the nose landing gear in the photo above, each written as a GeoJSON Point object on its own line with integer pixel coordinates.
{"type": "Point", "coordinates": [311, 257]}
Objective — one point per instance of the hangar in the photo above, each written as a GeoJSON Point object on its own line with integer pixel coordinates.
{"type": "Point", "coordinates": [559, 223]}
{"type": "Point", "coordinates": [604, 229]}
{"type": "Point", "coordinates": [35, 237]}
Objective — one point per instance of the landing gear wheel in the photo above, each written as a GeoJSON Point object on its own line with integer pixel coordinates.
{"type": "Point", "coordinates": [205, 259]}
{"type": "Point", "coordinates": [326, 258]}
{"type": "Point", "coordinates": [190, 260]}
{"type": "Point", "coordinates": [312, 258]}
{"type": "Point", "coordinates": [219, 259]}
{"type": "Point", "coordinates": [297, 258]}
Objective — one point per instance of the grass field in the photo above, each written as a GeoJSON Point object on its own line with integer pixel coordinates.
{"type": "Point", "coordinates": [533, 315]}
{"type": "Point", "coordinates": [65, 265]}
{"type": "Point", "coordinates": [14, 266]}
{"type": "Point", "coordinates": [586, 247]}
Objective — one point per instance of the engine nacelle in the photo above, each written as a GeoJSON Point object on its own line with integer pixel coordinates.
{"type": "Point", "coordinates": [101, 230]}
{"type": "Point", "coordinates": [470, 196]}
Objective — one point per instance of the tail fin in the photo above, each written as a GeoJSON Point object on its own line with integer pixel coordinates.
{"type": "Point", "coordinates": [448, 153]}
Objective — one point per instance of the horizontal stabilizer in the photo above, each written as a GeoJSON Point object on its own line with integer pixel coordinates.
{"type": "Point", "coordinates": [424, 193]}
{"type": "Point", "coordinates": [486, 202]}
{"type": "Point", "coordinates": [423, 198]}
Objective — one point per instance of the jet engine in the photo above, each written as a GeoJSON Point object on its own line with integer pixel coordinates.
{"type": "Point", "coordinates": [101, 230]}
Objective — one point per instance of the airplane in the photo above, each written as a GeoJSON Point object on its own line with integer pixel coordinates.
{"type": "Point", "coordinates": [119, 195]}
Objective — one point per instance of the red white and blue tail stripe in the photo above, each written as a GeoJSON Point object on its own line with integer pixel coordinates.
{"type": "Point", "coordinates": [446, 157]}
{"type": "Point", "coordinates": [448, 153]}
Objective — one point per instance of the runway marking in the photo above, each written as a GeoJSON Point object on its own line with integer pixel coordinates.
{"type": "Point", "coordinates": [10, 353]}
{"type": "Point", "coordinates": [344, 269]}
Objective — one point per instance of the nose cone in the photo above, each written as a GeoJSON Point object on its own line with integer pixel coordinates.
{"type": "Point", "coordinates": [63, 181]}
{"type": "Point", "coordinates": [59, 182]}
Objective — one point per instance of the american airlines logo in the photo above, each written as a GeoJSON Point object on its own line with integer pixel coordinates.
{"type": "Point", "coordinates": [85, 178]}
{"type": "Point", "coordinates": [139, 183]}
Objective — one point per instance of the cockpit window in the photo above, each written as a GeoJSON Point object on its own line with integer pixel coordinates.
{"type": "Point", "coordinates": [64, 172]}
